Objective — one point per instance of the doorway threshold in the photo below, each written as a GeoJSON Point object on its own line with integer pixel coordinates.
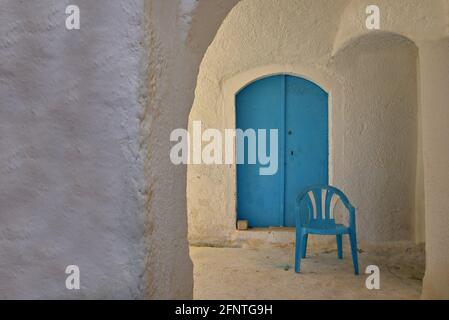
{"type": "Point", "coordinates": [265, 236]}
{"type": "Point", "coordinates": [271, 229]}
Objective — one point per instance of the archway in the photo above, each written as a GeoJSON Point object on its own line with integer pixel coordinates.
{"type": "Point", "coordinates": [381, 144]}
{"type": "Point", "coordinates": [188, 59]}
{"type": "Point", "coordinates": [356, 110]}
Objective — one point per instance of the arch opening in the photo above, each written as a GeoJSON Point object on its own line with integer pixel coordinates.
{"type": "Point", "coordinates": [363, 134]}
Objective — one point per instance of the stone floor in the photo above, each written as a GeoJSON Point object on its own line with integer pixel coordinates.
{"type": "Point", "coordinates": [267, 272]}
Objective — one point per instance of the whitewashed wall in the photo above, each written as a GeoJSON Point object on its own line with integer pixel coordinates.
{"type": "Point", "coordinates": [70, 170]}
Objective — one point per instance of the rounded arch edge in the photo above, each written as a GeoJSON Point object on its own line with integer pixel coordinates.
{"type": "Point", "coordinates": [231, 86]}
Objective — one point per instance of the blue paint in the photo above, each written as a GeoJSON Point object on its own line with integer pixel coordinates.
{"type": "Point", "coordinates": [258, 197]}
{"type": "Point", "coordinates": [306, 140]}
{"type": "Point", "coordinates": [314, 216]}
{"type": "Point", "coordinates": [298, 108]}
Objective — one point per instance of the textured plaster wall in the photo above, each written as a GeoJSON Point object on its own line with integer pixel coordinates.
{"type": "Point", "coordinates": [434, 69]}
{"type": "Point", "coordinates": [372, 82]}
{"type": "Point", "coordinates": [85, 118]}
{"type": "Point", "coordinates": [70, 169]}
{"type": "Point", "coordinates": [415, 19]}
{"type": "Point", "coordinates": [178, 34]}
{"type": "Point", "coordinates": [378, 100]}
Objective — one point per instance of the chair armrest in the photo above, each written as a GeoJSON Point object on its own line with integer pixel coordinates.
{"type": "Point", "coordinates": [351, 211]}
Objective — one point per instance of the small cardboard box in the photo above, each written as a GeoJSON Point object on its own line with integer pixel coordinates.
{"type": "Point", "coordinates": [242, 224]}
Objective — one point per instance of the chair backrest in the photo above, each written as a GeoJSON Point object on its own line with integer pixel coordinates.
{"type": "Point", "coordinates": [315, 205]}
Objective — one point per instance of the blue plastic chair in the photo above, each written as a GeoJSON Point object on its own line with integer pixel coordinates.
{"type": "Point", "coordinates": [312, 219]}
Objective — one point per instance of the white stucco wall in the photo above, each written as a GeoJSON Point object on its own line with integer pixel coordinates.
{"type": "Point", "coordinates": [373, 111]}
{"type": "Point", "coordinates": [415, 19]}
{"type": "Point", "coordinates": [378, 161]}
{"type": "Point", "coordinates": [178, 34]}
{"type": "Point", "coordinates": [85, 123]}
{"type": "Point", "coordinates": [70, 168]}
{"type": "Point", "coordinates": [434, 69]}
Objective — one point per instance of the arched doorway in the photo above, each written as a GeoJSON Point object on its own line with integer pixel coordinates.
{"type": "Point", "coordinates": [284, 49]}
{"type": "Point", "coordinates": [372, 156]}
{"type": "Point", "coordinates": [297, 111]}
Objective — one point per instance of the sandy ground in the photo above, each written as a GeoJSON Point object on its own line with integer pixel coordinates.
{"type": "Point", "coordinates": [267, 272]}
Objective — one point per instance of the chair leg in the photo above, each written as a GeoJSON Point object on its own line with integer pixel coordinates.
{"type": "Point", "coordinates": [340, 246]}
{"type": "Point", "coordinates": [355, 259]}
{"type": "Point", "coordinates": [298, 249]}
{"type": "Point", "coordinates": [304, 246]}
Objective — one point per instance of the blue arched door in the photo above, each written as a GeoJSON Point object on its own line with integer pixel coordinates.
{"type": "Point", "coordinates": [298, 108]}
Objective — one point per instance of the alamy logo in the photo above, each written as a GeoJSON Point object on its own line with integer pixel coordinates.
{"type": "Point", "coordinates": [73, 280]}
{"type": "Point", "coordinates": [373, 280]}
{"type": "Point", "coordinates": [72, 22]}
{"type": "Point", "coordinates": [373, 20]}
{"type": "Point", "coordinates": [213, 152]}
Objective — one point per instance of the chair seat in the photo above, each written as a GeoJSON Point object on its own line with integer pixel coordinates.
{"type": "Point", "coordinates": [332, 229]}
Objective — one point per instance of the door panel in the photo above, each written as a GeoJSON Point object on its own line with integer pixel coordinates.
{"type": "Point", "coordinates": [258, 106]}
{"type": "Point", "coordinates": [306, 144]}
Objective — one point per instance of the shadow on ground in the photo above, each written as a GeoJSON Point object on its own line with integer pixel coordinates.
{"type": "Point", "coordinates": [267, 272]}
